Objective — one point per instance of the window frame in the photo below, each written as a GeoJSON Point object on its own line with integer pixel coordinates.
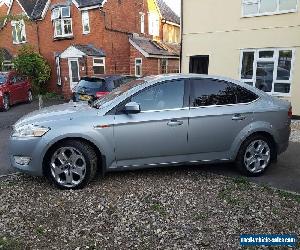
{"type": "Point", "coordinates": [85, 20]}
{"type": "Point", "coordinates": [118, 109]}
{"type": "Point", "coordinates": [277, 12]}
{"type": "Point", "coordinates": [153, 23]}
{"type": "Point", "coordinates": [191, 94]}
{"type": "Point", "coordinates": [166, 66]}
{"type": "Point", "coordinates": [61, 19]}
{"type": "Point", "coordinates": [139, 64]}
{"type": "Point", "coordinates": [99, 64]}
{"type": "Point", "coordinates": [273, 59]}
{"type": "Point", "coordinates": [142, 22]}
{"type": "Point", "coordinates": [23, 31]}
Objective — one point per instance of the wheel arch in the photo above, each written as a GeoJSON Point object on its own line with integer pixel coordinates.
{"type": "Point", "coordinates": [265, 134]}
{"type": "Point", "coordinates": [101, 159]}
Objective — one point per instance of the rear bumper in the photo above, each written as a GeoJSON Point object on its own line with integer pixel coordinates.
{"type": "Point", "coordinates": [283, 139]}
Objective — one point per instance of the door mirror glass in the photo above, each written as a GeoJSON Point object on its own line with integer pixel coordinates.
{"type": "Point", "coordinates": [132, 108]}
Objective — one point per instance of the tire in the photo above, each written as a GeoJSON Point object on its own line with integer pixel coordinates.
{"type": "Point", "coordinates": [71, 164]}
{"type": "Point", "coordinates": [255, 155]}
{"type": "Point", "coordinates": [6, 104]}
{"type": "Point", "coordinates": [29, 96]}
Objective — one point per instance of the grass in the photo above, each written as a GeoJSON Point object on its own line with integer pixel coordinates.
{"type": "Point", "coordinates": [200, 216]}
{"type": "Point", "coordinates": [242, 182]}
{"type": "Point", "coordinates": [40, 230]}
{"type": "Point", "coordinates": [157, 207]}
{"type": "Point", "coordinates": [289, 195]}
{"type": "Point", "coordinates": [10, 244]}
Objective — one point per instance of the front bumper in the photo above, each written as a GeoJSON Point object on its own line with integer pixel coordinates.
{"type": "Point", "coordinates": [28, 147]}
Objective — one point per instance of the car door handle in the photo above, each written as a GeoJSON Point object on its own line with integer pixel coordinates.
{"type": "Point", "coordinates": [174, 123]}
{"type": "Point", "coordinates": [238, 117]}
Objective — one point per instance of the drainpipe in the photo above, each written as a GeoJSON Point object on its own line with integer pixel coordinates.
{"type": "Point", "coordinates": [181, 28]}
{"type": "Point", "coordinates": [38, 35]}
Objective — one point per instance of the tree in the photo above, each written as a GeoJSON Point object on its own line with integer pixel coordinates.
{"type": "Point", "coordinates": [30, 63]}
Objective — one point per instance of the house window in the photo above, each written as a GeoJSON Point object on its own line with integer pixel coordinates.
{"type": "Point", "coordinates": [268, 7]}
{"type": "Point", "coordinates": [7, 66]}
{"type": "Point", "coordinates": [164, 66]}
{"type": "Point", "coordinates": [138, 67]}
{"type": "Point", "coordinates": [153, 24]}
{"type": "Point", "coordinates": [62, 22]}
{"type": "Point", "coordinates": [268, 69]}
{"type": "Point", "coordinates": [99, 66]}
{"type": "Point", "coordinates": [85, 22]}
{"type": "Point", "coordinates": [18, 32]}
{"type": "Point", "coordinates": [142, 23]}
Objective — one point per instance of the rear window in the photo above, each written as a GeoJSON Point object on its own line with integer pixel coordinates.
{"type": "Point", "coordinates": [92, 84]}
{"type": "Point", "coordinates": [2, 79]}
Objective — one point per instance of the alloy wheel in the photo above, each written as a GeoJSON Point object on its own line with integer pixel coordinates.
{"type": "Point", "coordinates": [68, 167]}
{"type": "Point", "coordinates": [257, 156]}
{"type": "Point", "coordinates": [6, 102]}
{"type": "Point", "coordinates": [30, 96]}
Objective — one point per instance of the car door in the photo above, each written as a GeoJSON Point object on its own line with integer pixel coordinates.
{"type": "Point", "coordinates": [158, 134]}
{"type": "Point", "coordinates": [23, 88]}
{"type": "Point", "coordinates": [219, 111]}
{"type": "Point", "coordinates": [14, 89]}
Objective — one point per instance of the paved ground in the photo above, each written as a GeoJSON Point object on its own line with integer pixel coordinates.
{"type": "Point", "coordinates": [285, 174]}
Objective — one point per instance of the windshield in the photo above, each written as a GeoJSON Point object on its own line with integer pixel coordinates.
{"type": "Point", "coordinates": [117, 92]}
{"type": "Point", "coordinates": [92, 84]}
{"type": "Point", "coordinates": [2, 79]}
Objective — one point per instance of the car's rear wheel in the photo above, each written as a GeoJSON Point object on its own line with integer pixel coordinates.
{"type": "Point", "coordinates": [29, 96]}
{"type": "Point", "coordinates": [71, 164]}
{"type": "Point", "coordinates": [6, 104]}
{"type": "Point", "coordinates": [255, 155]}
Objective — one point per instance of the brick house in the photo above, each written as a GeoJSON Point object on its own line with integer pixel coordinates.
{"type": "Point", "coordinates": [157, 51]}
{"type": "Point", "coordinates": [80, 37]}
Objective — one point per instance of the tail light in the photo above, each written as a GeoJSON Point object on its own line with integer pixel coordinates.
{"type": "Point", "coordinates": [290, 113]}
{"type": "Point", "coordinates": [101, 94]}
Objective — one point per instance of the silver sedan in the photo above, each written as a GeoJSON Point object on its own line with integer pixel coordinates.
{"type": "Point", "coordinates": [154, 121]}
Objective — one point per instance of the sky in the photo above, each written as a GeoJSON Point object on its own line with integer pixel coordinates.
{"type": "Point", "coordinates": [175, 5]}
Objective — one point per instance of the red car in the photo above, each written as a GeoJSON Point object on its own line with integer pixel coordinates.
{"type": "Point", "coordinates": [14, 88]}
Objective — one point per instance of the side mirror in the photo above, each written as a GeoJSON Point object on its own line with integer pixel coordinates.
{"type": "Point", "coordinates": [132, 108]}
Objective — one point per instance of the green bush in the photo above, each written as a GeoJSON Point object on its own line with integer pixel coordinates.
{"type": "Point", "coordinates": [30, 63]}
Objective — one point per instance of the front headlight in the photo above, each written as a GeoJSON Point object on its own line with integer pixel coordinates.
{"type": "Point", "coordinates": [30, 131]}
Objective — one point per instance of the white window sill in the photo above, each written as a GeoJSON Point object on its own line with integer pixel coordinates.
{"type": "Point", "coordinates": [64, 37]}
{"type": "Point", "coordinates": [86, 33]}
{"type": "Point", "coordinates": [16, 43]}
{"type": "Point", "coordinates": [270, 13]}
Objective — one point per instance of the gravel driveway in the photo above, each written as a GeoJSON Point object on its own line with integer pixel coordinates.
{"type": "Point", "coordinates": [174, 208]}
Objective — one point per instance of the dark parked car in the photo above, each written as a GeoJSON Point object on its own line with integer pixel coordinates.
{"type": "Point", "coordinates": [14, 88]}
{"type": "Point", "coordinates": [92, 88]}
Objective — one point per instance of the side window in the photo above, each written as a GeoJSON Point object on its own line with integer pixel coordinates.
{"type": "Point", "coordinates": [14, 80]}
{"type": "Point", "coordinates": [244, 95]}
{"type": "Point", "coordinates": [167, 95]}
{"type": "Point", "coordinates": [207, 92]}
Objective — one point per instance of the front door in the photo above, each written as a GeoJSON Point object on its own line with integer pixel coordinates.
{"type": "Point", "coordinates": [159, 133]}
{"type": "Point", "coordinates": [199, 64]}
{"type": "Point", "coordinates": [73, 72]}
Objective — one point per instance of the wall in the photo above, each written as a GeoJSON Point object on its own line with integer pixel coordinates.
{"type": "Point", "coordinates": [225, 33]}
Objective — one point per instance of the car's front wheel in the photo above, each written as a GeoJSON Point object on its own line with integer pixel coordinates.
{"type": "Point", "coordinates": [6, 104]}
{"type": "Point", "coordinates": [29, 96]}
{"type": "Point", "coordinates": [71, 164]}
{"type": "Point", "coordinates": [255, 155]}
